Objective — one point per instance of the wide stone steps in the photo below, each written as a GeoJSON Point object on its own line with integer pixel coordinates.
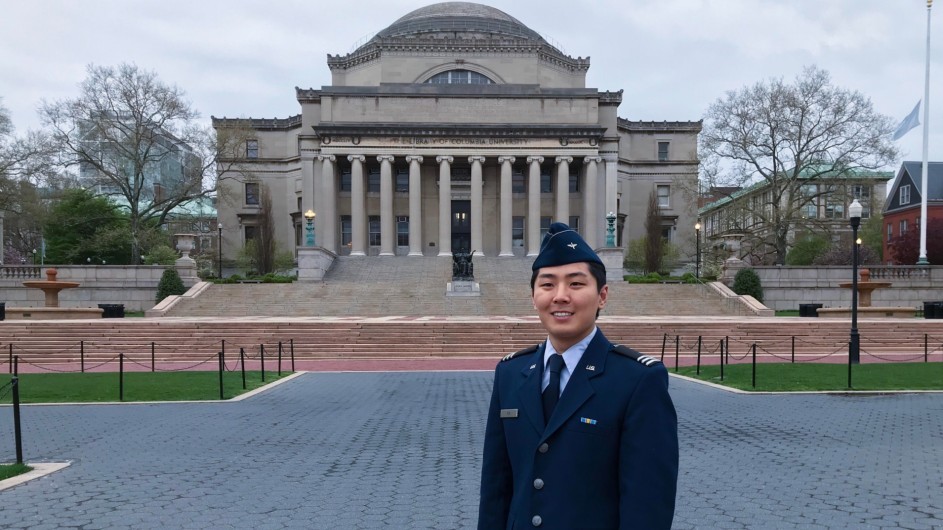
{"type": "Point", "coordinates": [193, 340]}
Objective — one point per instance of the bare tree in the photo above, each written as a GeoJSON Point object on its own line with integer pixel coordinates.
{"type": "Point", "coordinates": [787, 136]}
{"type": "Point", "coordinates": [137, 139]}
{"type": "Point", "coordinates": [654, 246]}
{"type": "Point", "coordinates": [265, 233]}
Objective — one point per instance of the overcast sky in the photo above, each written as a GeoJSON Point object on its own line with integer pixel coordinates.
{"type": "Point", "coordinates": [672, 58]}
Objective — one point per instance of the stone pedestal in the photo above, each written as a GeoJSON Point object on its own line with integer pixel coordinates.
{"type": "Point", "coordinates": [731, 267]}
{"type": "Point", "coordinates": [462, 288]}
{"type": "Point", "coordinates": [313, 263]}
{"type": "Point", "coordinates": [612, 258]}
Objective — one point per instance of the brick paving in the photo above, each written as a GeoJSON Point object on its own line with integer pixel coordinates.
{"type": "Point", "coordinates": [402, 450]}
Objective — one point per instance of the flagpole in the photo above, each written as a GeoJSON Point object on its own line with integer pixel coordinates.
{"type": "Point", "coordinates": [926, 147]}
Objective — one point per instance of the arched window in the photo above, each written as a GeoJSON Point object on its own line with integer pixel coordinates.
{"type": "Point", "coordinates": [460, 77]}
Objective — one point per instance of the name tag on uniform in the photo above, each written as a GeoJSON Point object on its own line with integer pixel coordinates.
{"type": "Point", "coordinates": [508, 413]}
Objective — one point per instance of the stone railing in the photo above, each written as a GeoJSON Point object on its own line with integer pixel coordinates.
{"type": "Point", "coordinates": [898, 272]}
{"type": "Point", "coordinates": [25, 272]}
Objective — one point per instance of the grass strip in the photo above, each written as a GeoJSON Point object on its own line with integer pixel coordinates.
{"type": "Point", "coordinates": [12, 470]}
{"type": "Point", "coordinates": [91, 387]}
{"type": "Point", "coordinates": [786, 377]}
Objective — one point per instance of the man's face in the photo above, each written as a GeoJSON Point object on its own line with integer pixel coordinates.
{"type": "Point", "coordinates": [566, 300]}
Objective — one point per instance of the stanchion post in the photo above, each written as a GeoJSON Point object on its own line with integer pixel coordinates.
{"type": "Point", "coordinates": [664, 341]}
{"type": "Point", "coordinates": [793, 357]}
{"type": "Point", "coordinates": [677, 350]}
{"type": "Point", "coordinates": [926, 348]}
{"type": "Point", "coordinates": [291, 345]}
{"type": "Point", "coordinates": [82, 356]}
{"type": "Point", "coordinates": [262, 358]}
{"type": "Point", "coordinates": [754, 364]}
{"type": "Point", "coordinates": [17, 433]}
{"type": "Point", "coordinates": [699, 355]}
{"type": "Point", "coordinates": [849, 367]}
{"type": "Point", "coordinates": [153, 358]}
{"type": "Point", "coordinates": [222, 366]}
{"type": "Point", "coordinates": [120, 377]}
{"type": "Point", "coordinates": [727, 348]}
{"type": "Point", "coordinates": [10, 364]}
{"type": "Point", "coordinates": [279, 358]}
{"type": "Point", "coordinates": [16, 366]}
{"type": "Point", "coordinates": [242, 364]}
{"type": "Point", "coordinates": [721, 359]}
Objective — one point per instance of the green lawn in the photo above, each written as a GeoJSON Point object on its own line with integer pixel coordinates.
{"type": "Point", "coordinates": [816, 376]}
{"type": "Point", "coordinates": [138, 386]}
{"type": "Point", "coordinates": [12, 470]}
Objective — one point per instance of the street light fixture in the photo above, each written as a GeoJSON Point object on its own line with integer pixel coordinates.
{"type": "Point", "coordinates": [697, 246]}
{"type": "Point", "coordinates": [611, 229]}
{"type": "Point", "coordinates": [219, 250]}
{"type": "Point", "coordinates": [854, 346]}
{"type": "Point", "coordinates": [309, 217]}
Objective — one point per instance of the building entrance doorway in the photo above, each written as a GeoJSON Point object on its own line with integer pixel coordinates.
{"type": "Point", "coordinates": [461, 227]}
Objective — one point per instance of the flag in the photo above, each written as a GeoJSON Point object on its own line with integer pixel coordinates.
{"type": "Point", "coordinates": [912, 120]}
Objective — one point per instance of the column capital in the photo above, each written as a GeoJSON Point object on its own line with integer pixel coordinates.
{"type": "Point", "coordinates": [596, 159]}
{"type": "Point", "coordinates": [478, 158]}
{"type": "Point", "coordinates": [329, 158]}
{"type": "Point", "coordinates": [503, 159]}
{"type": "Point", "coordinates": [567, 159]}
{"type": "Point", "coordinates": [358, 158]}
{"type": "Point", "coordinates": [537, 159]}
{"type": "Point", "coordinates": [414, 158]}
{"type": "Point", "coordinates": [444, 158]}
{"type": "Point", "coordinates": [385, 158]}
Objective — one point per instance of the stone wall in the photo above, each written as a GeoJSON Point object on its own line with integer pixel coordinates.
{"type": "Point", "coordinates": [787, 287]}
{"type": "Point", "coordinates": [135, 287]}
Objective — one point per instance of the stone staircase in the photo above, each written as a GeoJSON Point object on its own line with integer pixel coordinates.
{"type": "Point", "coordinates": [414, 286]}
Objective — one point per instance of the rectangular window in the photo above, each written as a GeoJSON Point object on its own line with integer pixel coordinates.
{"type": "Point", "coordinates": [252, 149]}
{"type": "Point", "coordinates": [299, 204]}
{"type": "Point", "coordinates": [517, 232]}
{"type": "Point", "coordinates": [574, 182]}
{"type": "Point", "coordinates": [575, 222]}
{"type": "Point", "coordinates": [544, 226]}
{"type": "Point", "coordinates": [546, 181]}
{"type": "Point", "coordinates": [663, 191]}
{"type": "Point", "coordinates": [663, 151]}
{"type": "Point", "coordinates": [834, 210]}
{"type": "Point", "coordinates": [402, 181]}
{"type": "Point", "coordinates": [374, 235]}
{"type": "Point", "coordinates": [666, 233]}
{"type": "Point", "coordinates": [865, 211]}
{"type": "Point", "coordinates": [345, 180]}
{"type": "Point", "coordinates": [248, 232]}
{"type": "Point", "coordinates": [298, 232]}
{"type": "Point", "coordinates": [517, 182]}
{"type": "Point", "coordinates": [905, 195]}
{"type": "Point", "coordinates": [861, 192]}
{"type": "Point", "coordinates": [252, 193]}
{"type": "Point", "coordinates": [346, 231]}
{"type": "Point", "coordinates": [903, 226]}
{"type": "Point", "coordinates": [890, 231]}
{"type": "Point", "coordinates": [402, 231]}
{"type": "Point", "coordinates": [373, 181]}
{"type": "Point", "coordinates": [811, 210]}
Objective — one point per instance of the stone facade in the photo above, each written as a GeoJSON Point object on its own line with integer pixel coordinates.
{"type": "Point", "coordinates": [457, 127]}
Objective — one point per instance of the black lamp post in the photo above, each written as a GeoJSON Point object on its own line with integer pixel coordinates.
{"type": "Point", "coordinates": [697, 246]}
{"type": "Point", "coordinates": [219, 250]}
{"type": "Point", "coordinates": [854, 347]}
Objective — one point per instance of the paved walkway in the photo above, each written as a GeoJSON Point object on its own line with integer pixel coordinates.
{"type": "Point", "coordinates": [402, 450]}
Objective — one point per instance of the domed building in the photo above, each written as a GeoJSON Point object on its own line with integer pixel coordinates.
{"type": "Point", "coordinates": [456, 128]}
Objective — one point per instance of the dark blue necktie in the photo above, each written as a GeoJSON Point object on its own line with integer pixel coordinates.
{"type": "Point", "coordinates": [552, 393]}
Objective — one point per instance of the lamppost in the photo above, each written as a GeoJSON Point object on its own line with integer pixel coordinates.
{"type": "Point", "coordinates": [34, 256]}
{"type": "Point", "coordinates": [610, 229]}
{"type": "Point", "coordinates": [219, 250]}
{"type": "Point", "coordinates": [309, 217]}
{"type": "Point", "coordinates": [854, 346]}
{"type": "Point", "coordinates": [697, 246]}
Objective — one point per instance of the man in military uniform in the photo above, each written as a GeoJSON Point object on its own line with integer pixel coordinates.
{"type": "Point", "coordinates": [581, 433]}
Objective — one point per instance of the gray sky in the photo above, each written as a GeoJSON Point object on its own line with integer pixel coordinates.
{"type": "Point", "coordinates": [673, 58]}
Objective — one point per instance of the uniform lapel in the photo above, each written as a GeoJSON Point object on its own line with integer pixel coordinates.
{"type": "Point", "coordinates": [579, 388]}
{"type": "Point", "coordinates": [529, 390]}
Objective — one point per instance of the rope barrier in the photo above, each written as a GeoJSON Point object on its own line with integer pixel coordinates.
{"type": "Point", "coordinates": [184, 369]}
{"type": "Point", "coordinates": [908, 359]}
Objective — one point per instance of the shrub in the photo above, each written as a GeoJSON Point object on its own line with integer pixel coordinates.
{"type": "Point", "coordinates": [748, 282]}
{"type": "Point", "coordinates": [160, 255]}
{"type": "Point", "coordinates": [170, 284]}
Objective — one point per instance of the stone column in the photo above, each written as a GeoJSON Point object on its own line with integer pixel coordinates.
{"type": "Point", "coordinates": [591, 215]}
{"type": "Point", "coordinates": [476, 206]}
{"type": "Point", "coordinates": [533, 205]}
{"type": "Point", "coordinates": [415, 206]}
{"type": "Point", "coordinates": [506, 201]}
{"type": "Point", "coordinates": [562, 212]}
{"type": "Point", "coordinates": [445, 204]}
{"type": "Point", "coordinates": [327, 217]}
{"type": "Point", "coordinates": [358, 209]}
{"type": "Point", "coordinates": [387, 226]}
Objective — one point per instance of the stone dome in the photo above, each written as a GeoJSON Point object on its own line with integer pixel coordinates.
{"type": "Point", "coordinates": [458, 17]}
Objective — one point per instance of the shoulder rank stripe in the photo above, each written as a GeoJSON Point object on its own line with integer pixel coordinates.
{"type": "Point", "coordinates": [635, 355]}
{"type": "Point", "coordinates": [525, 351]}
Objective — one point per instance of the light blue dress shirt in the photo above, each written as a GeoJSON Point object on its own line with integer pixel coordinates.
{"type": "Point", "coordinates": [571, 357]}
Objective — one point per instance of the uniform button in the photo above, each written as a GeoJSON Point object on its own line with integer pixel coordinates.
{"type": "Point", "coordinates": [536, 520]}
{"type": "Point", "coordinates": [538, 483]}
{"type": "Point", "coordinates": [543, 448]}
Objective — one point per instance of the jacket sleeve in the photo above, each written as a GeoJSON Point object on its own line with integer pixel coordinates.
{"type": "Point", "coordinates": [496, 477]}
{"type": "Point", "coordinates": [648, 455]}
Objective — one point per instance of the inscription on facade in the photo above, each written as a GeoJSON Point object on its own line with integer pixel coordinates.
{"type": "Point", "coordinates": [456, 141]}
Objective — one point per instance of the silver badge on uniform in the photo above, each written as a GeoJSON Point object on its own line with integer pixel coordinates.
{"type": "Point", "coordinates": [508, 413]}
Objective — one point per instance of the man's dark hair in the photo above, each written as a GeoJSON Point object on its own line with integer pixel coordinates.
{"type": "Point", "coordinates": [596, 270]}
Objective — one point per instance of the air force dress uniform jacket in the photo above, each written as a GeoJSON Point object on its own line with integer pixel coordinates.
{"type": "Point", "coordinates": [608, 457]}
